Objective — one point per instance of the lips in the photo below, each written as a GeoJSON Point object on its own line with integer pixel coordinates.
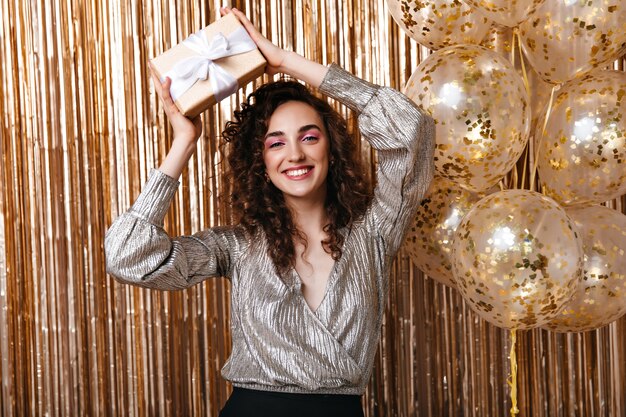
{"type": "Point", "coordinates": [297, 171]}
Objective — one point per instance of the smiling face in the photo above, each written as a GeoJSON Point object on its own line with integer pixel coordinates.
{"type": "Point", "coordinates": [296, 152]}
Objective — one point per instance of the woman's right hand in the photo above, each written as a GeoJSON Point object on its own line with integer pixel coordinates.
{"type": "Point", "coordinates": [185, 129]}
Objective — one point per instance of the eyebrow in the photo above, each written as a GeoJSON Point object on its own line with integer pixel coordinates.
{"type": "Point", "coordinates": [302, 129]}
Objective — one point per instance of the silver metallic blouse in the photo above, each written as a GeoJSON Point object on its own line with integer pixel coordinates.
{"type": "Point", "coordinates": [279, 343]}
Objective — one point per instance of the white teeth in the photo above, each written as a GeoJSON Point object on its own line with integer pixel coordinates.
{"type": "Point", "coordinates": [297, 172]}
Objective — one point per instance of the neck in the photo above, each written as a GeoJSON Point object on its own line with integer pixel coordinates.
{"type": "Point", "coordinates": [309, 215]}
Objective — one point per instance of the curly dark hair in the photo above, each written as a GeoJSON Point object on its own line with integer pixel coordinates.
{"type": "Point", "coordinates": [257, 203]}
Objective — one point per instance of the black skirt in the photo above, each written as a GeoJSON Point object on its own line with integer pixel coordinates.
{"type": "Point", "coordinates": [252, 403]}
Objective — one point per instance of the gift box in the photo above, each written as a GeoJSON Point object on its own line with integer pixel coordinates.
{"type": "Point", "coordinates": [210, 65]}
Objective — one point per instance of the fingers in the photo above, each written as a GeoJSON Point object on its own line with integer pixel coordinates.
{"type": "Point", "coordinates": [158, 85]}
{"type": "Point", "coordinates": [181, 125]}
{"type": "Point", "coordinates": [155, 80]}
{"type": "Point", "coordinates": [252, 30]}
{"type": "Point", "coordinates": [168, 104]}
{"type": "Point", "coordinates": [163, 91]}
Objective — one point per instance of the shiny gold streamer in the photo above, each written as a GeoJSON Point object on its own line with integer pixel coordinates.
{"type": "Point", "coordinates": [537, 146]}
{"type": "Point", "coordinates": [513, 376]}
{"type": "Point", "coordinates": [82, 127]}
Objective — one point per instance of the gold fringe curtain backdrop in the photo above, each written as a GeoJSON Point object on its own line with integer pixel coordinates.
{"type": "Point", "coordinates": [81, 128]}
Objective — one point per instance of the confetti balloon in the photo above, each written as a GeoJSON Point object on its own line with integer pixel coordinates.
{"type": "Point", "coordinates": [481, 112]}
{"type": "Point", "coordinates": [567, 38]}
{"type": "Point", "coordinates": [517, 259]}
{"type": "Point", "coordinates": [429, 239]}
{"type": "Point", "coordinates": [439, 23]}
{"type": "Point", "coordinates": [601, 297]}
{"type": "Point", "coordinates": [582, 151]}
{"type": "Point", "coordinates": [506, 12]}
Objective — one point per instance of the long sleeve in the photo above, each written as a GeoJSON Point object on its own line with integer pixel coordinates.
{"type": "Point", "coordinates": [139, 252]}
{"type": "Point", "coordinates": [404, 137]}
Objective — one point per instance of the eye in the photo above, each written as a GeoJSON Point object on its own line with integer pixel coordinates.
{"type": "Point", "coordinates": [275, 144]}
{"type": "Point", "coordinates": [309, 138]}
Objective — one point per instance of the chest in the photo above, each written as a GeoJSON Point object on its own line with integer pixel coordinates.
{"type": "Point", "coordinates": [351, 291]}
{"type": "Point", "coordinates": [314, 269]}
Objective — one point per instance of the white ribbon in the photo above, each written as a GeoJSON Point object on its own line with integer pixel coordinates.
{"type": "Point", "coordinates": [200, 67]}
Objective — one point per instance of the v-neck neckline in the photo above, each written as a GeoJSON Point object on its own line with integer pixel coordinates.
{"type": "Point", "coordinates": [297, 285]}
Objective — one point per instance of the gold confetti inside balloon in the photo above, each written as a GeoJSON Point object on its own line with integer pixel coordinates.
{"type": "Point", "coordinates": [439, 23]}
{"type": "Point", "coordinates": [582, 151]}
{"type": "Point", "coordinates": [506, 12]}
{"type": "Point", "coordinates": [429, 239]}
{"type": "Point", "coordinates": [481, 112]}
{"type": "Point", "coordinates": [517, 259]}
{"type": "Point", "coordinates": [601, 297]}
{"type": "Point", "coordinates": [564, 39]}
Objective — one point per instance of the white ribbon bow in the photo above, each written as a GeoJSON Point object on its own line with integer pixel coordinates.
{"type": "Point", "coordinates": [201, 66]}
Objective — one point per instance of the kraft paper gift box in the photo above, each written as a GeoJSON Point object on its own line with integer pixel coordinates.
{"type": "Point", "coordinates": [210, 65]}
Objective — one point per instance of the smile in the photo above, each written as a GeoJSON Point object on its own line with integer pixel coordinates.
{"type": "Point", "coordinates": [297, 172]}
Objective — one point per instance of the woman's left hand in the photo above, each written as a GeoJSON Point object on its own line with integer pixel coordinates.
{"type": "Point", "coordinates": [274, 55]}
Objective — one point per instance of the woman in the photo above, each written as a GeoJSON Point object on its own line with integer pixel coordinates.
{"type": "Point", "coordinates": [309, 260]}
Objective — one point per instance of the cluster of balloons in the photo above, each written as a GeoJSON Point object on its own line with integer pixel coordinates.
{"type": "Point", "coordinates": [523, 259]}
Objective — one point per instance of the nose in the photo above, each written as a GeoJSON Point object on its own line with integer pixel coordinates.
{"type": "Point", "coordinates": [296, 154]}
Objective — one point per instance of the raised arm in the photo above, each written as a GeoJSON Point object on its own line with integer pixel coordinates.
{"type": "Point", "coordinates": [404, 137]}
{"type": "Point", "coordinates": [138, 250]}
